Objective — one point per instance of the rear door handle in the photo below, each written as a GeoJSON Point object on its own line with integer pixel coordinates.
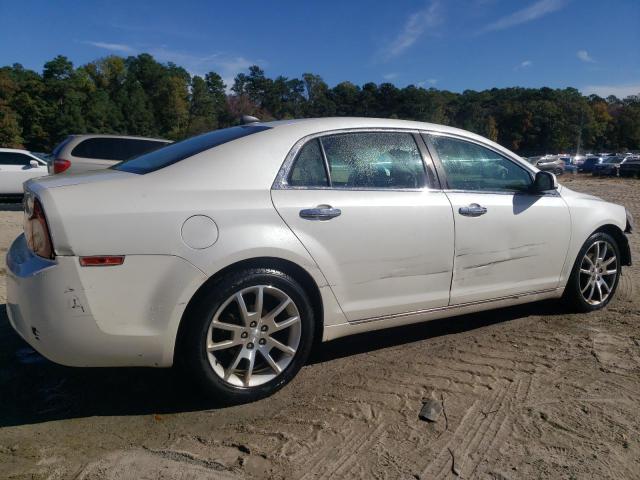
{"type": "Point", "coordinates": [473, 210]}
{"type": "Point", "coordinates": [321, 212]}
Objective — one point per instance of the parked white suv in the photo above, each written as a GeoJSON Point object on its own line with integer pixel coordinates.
{"type": "Point", "coordinates": [232, 251]}
{"type": "Point", "coordinates": [16, 167]}
{"type": "Point", "coordinates": [81, 153]}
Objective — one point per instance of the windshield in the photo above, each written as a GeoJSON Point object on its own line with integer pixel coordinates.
{"type": "Point", "coordinates": [612, 160]}
{"type": "Point", "coordinates": [175, 152]}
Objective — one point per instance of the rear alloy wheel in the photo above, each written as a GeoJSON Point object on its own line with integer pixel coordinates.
{"type": "Point", "coordinates": [595, 274]}
{"type": "Point", "coordinates": [253, 336]}
{"type": "Point", "coordinates": [248, 335]}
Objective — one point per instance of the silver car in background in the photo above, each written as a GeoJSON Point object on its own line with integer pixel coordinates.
{"type": "Point", "coordinates": [82, 153]}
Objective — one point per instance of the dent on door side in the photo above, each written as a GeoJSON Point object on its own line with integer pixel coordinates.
{"type": "Point", "coordinates": [519, 246]}
{"type": "Point", "coordinates": [477, 261]}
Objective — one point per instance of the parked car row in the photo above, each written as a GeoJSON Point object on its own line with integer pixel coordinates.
{"type": "Point", "coordinates": [602, 164]}
{"type": "Point", "coordinates": [76, 153]}
{"type": "Point", "coordinates": [612, 165]}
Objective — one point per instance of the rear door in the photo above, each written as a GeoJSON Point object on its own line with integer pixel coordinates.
{"type": "Point", "coordinates": [367, 208]}
{"type": "Point", "coordinates": [508, 241]}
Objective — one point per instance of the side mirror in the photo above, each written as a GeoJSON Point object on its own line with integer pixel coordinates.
{"type": "Point", "coordinates": [34, 164]}
{"type": "Point", "coordinates": [544, 182]}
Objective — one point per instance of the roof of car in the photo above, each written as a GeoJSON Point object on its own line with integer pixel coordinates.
{"type": "Point", "coordinates": [309, 126]}
{"type": "Point", "coordinates": [84, 136]}
{"type": "Point", "coordinates": [15, 150]}
{"type": "Point", "coordinates": [335, 123]}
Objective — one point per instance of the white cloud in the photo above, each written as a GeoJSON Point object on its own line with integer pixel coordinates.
{"type": "Point", "coordinates": [227, 66]}
{"type": "Point", "coordinates": [524, 64]}
{"type": "Point", "coordinates": [390, 76]}
{"type": "Point", "coordinates": [584, 56]}
{"type": "Point", "coordinates": [620, 91]}
{"type": "Point", "coordinates": [528, 14]}
{"type": "Point", "coordinates": [415, 26]}
{"type": "Point", "coordinates": [430, 81]}
{"type": "Point", "coordinates": [113, 47]}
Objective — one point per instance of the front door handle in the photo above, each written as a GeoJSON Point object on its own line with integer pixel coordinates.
{"type": "Point", "coordinates": [473, 210]}
{"type": "Point", "coordinates": [321, 212]}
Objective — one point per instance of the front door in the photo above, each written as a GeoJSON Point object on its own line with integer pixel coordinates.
{"type": "Point", "coordinates": [362, 205]}
{"type": "Point", "coordinates": [508, 241]}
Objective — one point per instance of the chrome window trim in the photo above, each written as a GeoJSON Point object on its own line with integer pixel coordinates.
{"type": "Point", "coordinates": [553, 193]}
{"type": "Point", "coordinates": [281, 183]}
{"type": "Point", "coordinates": [525, 166]}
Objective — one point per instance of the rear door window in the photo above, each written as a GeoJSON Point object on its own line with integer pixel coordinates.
{"type": "Point", "coordinates": [309, 169]}
{"type": "Point", "coordinates": [374, 160]}
{"type": "Point", "coordinates": [114, 148]}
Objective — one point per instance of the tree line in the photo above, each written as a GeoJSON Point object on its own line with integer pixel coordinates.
{"type": "Point", "coordinates": [138, 95]}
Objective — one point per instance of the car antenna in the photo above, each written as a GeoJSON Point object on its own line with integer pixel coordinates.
{"type": "Point", "coordinates": [247, 119]}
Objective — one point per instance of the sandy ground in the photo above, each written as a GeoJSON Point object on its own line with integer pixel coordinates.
{"type": "Point", "coordinates": [528, 392]}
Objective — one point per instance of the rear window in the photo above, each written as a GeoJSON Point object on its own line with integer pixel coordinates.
{"type": "Point", "coordinates": [178, 151]}
{"type": "Point", "coordinates": [115, 148]}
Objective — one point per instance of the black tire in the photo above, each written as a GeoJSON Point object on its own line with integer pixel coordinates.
{"type": "Point", "coordinates": [573, 296]}
{"type": "Point", "coordinates": [193, 353]}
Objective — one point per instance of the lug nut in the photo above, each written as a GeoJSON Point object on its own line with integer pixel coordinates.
{"type": "Point", "coordinates": [262, 341]}
{"type": "Point", "coordinates": [253, 324]}
{"type": "Point", "coordinates": [249, 345]}
{"type": "Point", "coordinates": [264, 328]}
{"type": "Point", "coordinates": [244, 335]}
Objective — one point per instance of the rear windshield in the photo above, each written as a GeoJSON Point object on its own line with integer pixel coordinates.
{"type": "Point", "coordinates": [178, 151]}
{"type": "Point", "coordinates": [106, 148]}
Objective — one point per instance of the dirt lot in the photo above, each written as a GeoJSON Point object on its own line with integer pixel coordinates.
{"type": "Point", "coordinates": [528, 392]}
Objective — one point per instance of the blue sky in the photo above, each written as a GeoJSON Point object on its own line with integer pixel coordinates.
{"type": "Point", "coordinates": [593, 45]}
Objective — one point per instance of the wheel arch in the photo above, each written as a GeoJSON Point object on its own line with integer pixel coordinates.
{"type": "Point", "coordinates": [286, 266]}
{"type": "Point", "coordinates": [620, 238]}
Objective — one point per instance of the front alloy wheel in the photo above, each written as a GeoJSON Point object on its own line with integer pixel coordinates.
{"type": "Point", "coordinates": [595, 274]}
{"type": "Point", "coordinates": [598, 272]}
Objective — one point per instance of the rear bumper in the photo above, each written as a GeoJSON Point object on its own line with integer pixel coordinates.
{"type": "Point", "coordinates": [99, 316]}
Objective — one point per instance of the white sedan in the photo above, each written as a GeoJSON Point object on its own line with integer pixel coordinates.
{"type": "Point", "coordinates": [16, 167]}
{"type": "Point", "coordinates": [230, 253]}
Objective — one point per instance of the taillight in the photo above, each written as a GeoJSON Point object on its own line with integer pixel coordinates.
{"type": "Point", "coordinates": [36, 229]}
{"type": "Point", "coordinates": [102, 261]}
{"type": "Point", "coordinates": [60, 165]}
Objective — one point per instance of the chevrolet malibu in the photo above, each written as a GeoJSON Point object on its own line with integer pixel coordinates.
{"type": "Point", "coordinates": [230, 253]}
